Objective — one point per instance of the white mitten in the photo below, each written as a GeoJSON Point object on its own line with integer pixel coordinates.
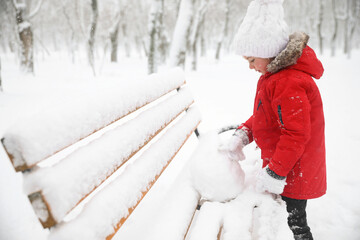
{"type": "Point", "coordinates": [234, 145]}
{"type": "Point", "coordinates": [269, 181]}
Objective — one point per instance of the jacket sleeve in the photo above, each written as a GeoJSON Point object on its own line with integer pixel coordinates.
{"type": "Point", "coordinates": [247, 128]}
{"type": "Point", "coordinates": [292, 108]}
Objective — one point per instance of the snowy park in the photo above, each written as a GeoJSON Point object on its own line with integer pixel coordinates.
{"type": "Point", "coordinates": [70, 76]}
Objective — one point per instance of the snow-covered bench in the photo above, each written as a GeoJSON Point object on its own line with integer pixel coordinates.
{"type": "Point", "coordinates": [94, 146]}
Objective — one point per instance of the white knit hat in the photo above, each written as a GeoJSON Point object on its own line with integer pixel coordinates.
{"type": "Point", "coordinates": [263, 33]}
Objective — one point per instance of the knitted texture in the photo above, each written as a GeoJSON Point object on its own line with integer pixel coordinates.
{"type": "Point", "coordinates": [263, 32]}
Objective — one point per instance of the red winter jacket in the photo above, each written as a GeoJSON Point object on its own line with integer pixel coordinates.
{"type": "Point", "coordinates": [288, 124]}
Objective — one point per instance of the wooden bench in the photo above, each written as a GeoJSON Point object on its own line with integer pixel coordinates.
{"type": "Point", "coordinates": [100, 154]}
{"type": "Point", "coordinates": [98, 146]}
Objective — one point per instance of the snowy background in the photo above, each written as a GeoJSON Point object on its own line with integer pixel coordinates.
{"type": "Point", "coordinates": [70, 51]}
{"type": "Point", "coordinates": [224, 92]}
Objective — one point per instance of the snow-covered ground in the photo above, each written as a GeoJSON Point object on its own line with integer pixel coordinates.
{"type": "Point", "coordinates": [224, 92]}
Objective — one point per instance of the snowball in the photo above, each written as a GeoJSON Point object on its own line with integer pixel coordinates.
{"type": "Point", "coordinates": [213, 174]}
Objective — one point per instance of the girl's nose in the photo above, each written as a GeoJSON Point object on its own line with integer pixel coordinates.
{"type": "Point", "coordinates": [251, 66]}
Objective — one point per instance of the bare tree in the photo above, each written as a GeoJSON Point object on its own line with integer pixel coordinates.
{"type": "Point", "coordinates": [336, 22]}
{"type": "Point", "coordinates": [355, 7]}
{"type": "Point", "coordinates": [202, 37]}
{"type": "Point", "coordinates": [181, 33]}
{"type": "Point", "coordinates": [73, 32]}
{"type": "Point", "coordinates": [91, 41]}
{"type": "Point", "coordinates": [197, 25]}
{"type": "Point", "coordinates": [319, 25]}
{"type": "Point", "coordinates": [114, 35]}
{"type": "Point", "coordinates": [79, 16]}
{"type": "Point", "coordinates": [352, 18]}
{"type": "Point", "coordinates": [1, 89]}
{"type": "Point", "coordinates": [25, 33]}
{"type": "Point", "coordinates": [225, 30]}
{"type": "Point", "coordinates": [156, 21]}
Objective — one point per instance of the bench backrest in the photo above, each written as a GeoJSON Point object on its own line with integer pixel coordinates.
{"type": "Point", "coordinates": [55, 190]}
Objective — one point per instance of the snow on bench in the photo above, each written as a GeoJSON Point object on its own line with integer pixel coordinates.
{"type": "Point", "coordinates": [115, 202]}
{"type": "Point", "coordinates": [186, 215]}
{"type": "Point", "coordinates": [250, 216]}
{"type": "Point", "coordinates": [90, 165]}
{"type": "Point", "coordinates": [35, 139]}
{"type": "Point", "coordinates": [55, 190]}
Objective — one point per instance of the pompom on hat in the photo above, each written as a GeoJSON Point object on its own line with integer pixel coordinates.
{"type": "Point", "coordinates": [263, 32]}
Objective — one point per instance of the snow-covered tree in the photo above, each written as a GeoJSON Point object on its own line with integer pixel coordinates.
{"type": "Point", "coordinates": [1, 89]}
{"type": "Point", "coordinates": [352, 19]}
{"type": "Point", "coordinates": [73, 32]}
{"type": "Point", "coordinates": [31, 27]}
{"type": "Point", "coordinates": [114, 32]}
{"type": "Point", "coordinates": [91, 41]}
{"type": "Point", "coordinates": [225, 30]}
{"type": "Point", "coordinates": [181, 33]}
{"type": "Point", "coordinates": [319, 26]}
{"type": "Point", "coordinates": [336, 24]}
{"type": "Point", "coordinates": [196, 29]}
{"type": "Point", "coordinates": [25, 33]}
{"type": "Point", "coordinates": [155, 33]}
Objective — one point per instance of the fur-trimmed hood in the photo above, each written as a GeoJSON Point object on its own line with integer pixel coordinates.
{"type": "Point", "coordinates": [297, 55]}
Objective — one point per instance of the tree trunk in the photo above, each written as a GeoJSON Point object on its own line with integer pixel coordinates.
{"type": "Point", "coordinates": [334, 36]}
{"type": "Point", "coordinates": [26, 39]}
{"type": "Point", "coordinates": [163, 36]}
{"type": "Point", "coordinates": [319, 26]}
{"type": "Point", "coordinates": [156, 16]}
{"type": "Point", "coordinates": [181, 34]}
{"type": "Point", "coordinates": [1, 89]}
{"type": "Point", "coordinates": [225, 30]}
{"type": "Point", "coordinates": [197, 25]}
{"type": "Point", "coordinates": [91, 41]}
{"type": "Point", "coordinates": [114, 33]}
{"type": "Point", "coordinates": [126, 39]}
{"type": "Point", "coordinates": [202, 38]}
{"type": "Point", "coordinates": [353, 19]}
{"type": "Point", "coordinates": [72, 42]}
{"type": "Point", "coordinates": [346, 31]}
{"type": "Point", "coordinates": [114, 41]}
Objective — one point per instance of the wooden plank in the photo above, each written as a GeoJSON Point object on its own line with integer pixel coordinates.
{"type": "Point", "coordinates": [77, 164]}
{"type": "Point", "coordinates": [122, 220]}
{"type": "Point", "coordinates": [119, 199]}
{"type": "Point", "coordinates": [40, 197]}
{"type": "Point", "coordinates": [220, 232]}
{"type": "Point", "coordinates": [192, 219]}
{"type": "Point", "coordinates": [42, 209]}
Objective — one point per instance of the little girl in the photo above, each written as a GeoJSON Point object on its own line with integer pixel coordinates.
{"type": "Point", "coordinates": [287, 123]}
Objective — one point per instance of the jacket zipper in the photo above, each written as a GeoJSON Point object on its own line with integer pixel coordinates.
{"type": "Point", "coordinates": [280, 115]}
{"type": "Point", "coordinates": [260, 103]}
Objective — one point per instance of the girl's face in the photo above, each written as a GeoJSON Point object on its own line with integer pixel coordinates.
{"type": "Point", "coordinates": [259, 64]}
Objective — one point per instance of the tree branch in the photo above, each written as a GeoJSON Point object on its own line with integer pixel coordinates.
{"type": "Point", "coordinates": [36, 10]}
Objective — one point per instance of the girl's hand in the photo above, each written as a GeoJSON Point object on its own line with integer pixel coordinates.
{"type": "Point", "coordinates": [269, 181]}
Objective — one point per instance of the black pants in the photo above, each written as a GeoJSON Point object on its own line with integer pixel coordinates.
{"type": "Point", "coordinates": [297, 218]}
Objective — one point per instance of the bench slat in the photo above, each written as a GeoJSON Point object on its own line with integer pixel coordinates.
{"type": "Point", "coordinates": [62, 186]}
{"type": "Point", "coordinates": [177, 212]}
{"type": "Point", "coordinates": [104, 214]}
{"type": "Point", "coordinates": [37, 138]}
{"type": "Point", "coordinates": [209, 222]}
